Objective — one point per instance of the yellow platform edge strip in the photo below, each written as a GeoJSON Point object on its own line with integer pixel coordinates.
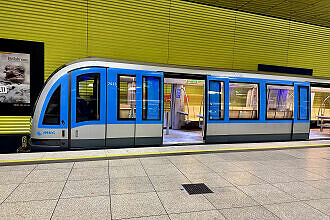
{"type": "Point", "coordinates": [160, 153]}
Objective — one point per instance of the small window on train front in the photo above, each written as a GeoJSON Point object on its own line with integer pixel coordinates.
{"type": "Point", "coordinates": [151, 98]}
{"type": "Point", "coordinates": [280, 102]}
{"type": "Point", "coordinates": [243, 100]}
{"type": "Point", "coordinates": [216, 100]}
{"type": "Point", "coordinates": [88, 97]}
{"type": "Point", "coordinates": [126, 97]}
{"type": "Point", "coordinates": [53, 111]}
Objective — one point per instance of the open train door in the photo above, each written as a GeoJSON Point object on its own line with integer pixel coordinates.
{"type": "Point", "coordinates": [301, 122]}
{"type": "Point", "coordinates": [87, 113]}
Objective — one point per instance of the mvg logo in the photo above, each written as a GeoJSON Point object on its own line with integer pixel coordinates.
{"type": "Point", "coordinates": [39, 133]}
{"type": "Point", "coordinates": [3, 90]}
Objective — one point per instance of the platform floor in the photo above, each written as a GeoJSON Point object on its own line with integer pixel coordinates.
{"type": "Point", "coordinates": [315, 133]}
{"type": "Point", "coordinates": [272, 184]}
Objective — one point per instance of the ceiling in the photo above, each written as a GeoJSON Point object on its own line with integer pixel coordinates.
{"type": "Point", "coordinates": [309, 11]}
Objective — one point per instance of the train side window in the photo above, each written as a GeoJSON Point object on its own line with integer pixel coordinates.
{"type": "Point", "coordinates": [53, 111]}
{"type": "Point", "coordinates": [88, 97]}
{"type": "Point", "coordinates": [280, 102]}
{"type": "Point", "coordinates": [126, 97]}
{"type": "Point", "coordinates": [303, 113]}
{"type": "Point", "coordinates": [243, 100]}
{"type": "Point", "coordinates": [151, 98]}
{"type": "Point", "coordinates": [216, 100]}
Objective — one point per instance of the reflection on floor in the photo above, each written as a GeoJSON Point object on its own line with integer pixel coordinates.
{"type": "Point", "coordinates": [183, 136]}
{"type": "Point", "coordinates": [315, 133]}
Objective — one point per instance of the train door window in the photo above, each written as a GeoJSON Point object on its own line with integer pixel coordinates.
{"type": "Point", "coordinates": [151, 98]}
{"type": "Point", "coordinates": [126, 97]}
{"type": "Point", "coordinates": [243, 100]}
{"type": "Point", "coordinates": [88, 97]}
{"type": "Point", "coordinates": [53, 111]}
{"type": "Point", "coordinates": [280, 102]}
{"type": "Point", "coordinates": [216, 100]}
{"type": "Point", "coordinates": [303, 113]}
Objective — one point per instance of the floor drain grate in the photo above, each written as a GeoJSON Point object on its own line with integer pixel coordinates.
{"type": "Point", "coordinates": [197, 188]}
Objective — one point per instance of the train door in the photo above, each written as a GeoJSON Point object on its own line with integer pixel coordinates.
{"type": "Point", "coordinates": [301, 122]}
{"type": "Point", "coordinates": [88, 112]}
{"type": "Point", "coordinates": [134, 108]}
{"type": "Point", "coordinates": [149, 109]}
{"type": "Point", "coordinates": [216, 108]}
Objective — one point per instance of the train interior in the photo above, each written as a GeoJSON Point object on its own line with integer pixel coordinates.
{"type": "Point", "coordinates": [320, 113]}
{"type": "Point", "coordinates": [183, 111]}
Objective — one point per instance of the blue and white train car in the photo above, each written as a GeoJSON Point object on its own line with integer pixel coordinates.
{"type": "Point", "coordinates": [82, 105]}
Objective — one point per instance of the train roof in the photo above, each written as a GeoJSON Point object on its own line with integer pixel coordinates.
{"type": "Point", "coordinates": [170, 68]}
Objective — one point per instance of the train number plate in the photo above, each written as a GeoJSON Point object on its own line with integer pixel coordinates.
{"type": "Point", "coordinates": [3, 89]}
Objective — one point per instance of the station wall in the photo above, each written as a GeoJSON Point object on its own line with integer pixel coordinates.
{"type": "Point", "coordinates": [160, 31]}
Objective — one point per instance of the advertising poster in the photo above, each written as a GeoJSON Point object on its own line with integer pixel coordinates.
{"type": "Point", "coordinates": [15, 78]}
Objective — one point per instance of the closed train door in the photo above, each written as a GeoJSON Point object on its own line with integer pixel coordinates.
{"type": "Point", "coordinates": [88, 108]}
{"type": "Point", "coordinates": [134, 108]}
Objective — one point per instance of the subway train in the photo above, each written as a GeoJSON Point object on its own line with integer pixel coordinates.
{"type": "Point", "coordinates": [105, 103]}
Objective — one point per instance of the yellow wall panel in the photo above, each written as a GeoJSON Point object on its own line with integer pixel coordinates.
{"type": "Point", "coordinates": [260, 40]}
{"type": "Point", "coordinates": [309, 48]}
{"type": "Point", "coordinates": [60, 24]}
{"type": "Point", "coordinates": [201, 35]}
{"type": "Point", "coordinates": [130, 29]}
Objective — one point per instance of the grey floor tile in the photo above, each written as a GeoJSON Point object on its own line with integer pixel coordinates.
{"type": "Point", "coordinates": [193, 168]}
{"type": "Point", "coordinates": [89, 173]}
{"type": "Point", "coordinates": [27, 210]}
{"type": "Point", "coordinates": [180, 201]}
{"type": "Point", "coordinates": [83, 208]}
{"type": "Point", "coordinates": [47, 175]}
{"type": "Point", "coordinates": [162, 169]}
{"type": "Point", "coordinates": [183, 159]}
{"type": "Point", "coordinates": [323, 185]}
{"type": "Point", "coordinates": [136, 205]}
{"type": "Point", "coordinates": [249, 165]}
{"type": "Point", "coordinates": [80, 188]}
{"type": "Point", "coordinates": [242, 178]}
{"type": "Point", "coordinates": [126, 171]}
{"type": "Point", "coordinates": [322, 171]}
{"type": "Point", "coordinates": [165, 183]}
{"type": "Point", "coordinates": [207, 158]}
{"type": "Point", "coordinates": [154, 161]}
{"type": "Point", "coordinates": [302, 190]}
{"type": "Point", "coordinates": [86, 164]}
{"type": "Point", "coordinates": [266, 194]}
{"type": "Point", "coordinates": [272, 176]}
{"type": "Point", "coordinates": [296, 210]}
{"type": "Point", "coordinates": [229, 197]}
{"type": "Point", "coordinates": [205, 215]}
{"type": "Point", "coordinates": [322, 205]}
{"type": "Point", "coordinates": [124, 162]}
{"type": "Point", "coordinates": [36, 191]}
{"type": "Point", "coordinates": [51, 166]}
{"type": "Point", "coordinates": [153, 217]}
{"type": "Point", "coordinates": [223, 166]}
{"type": "Point", "coordinates": [210, 179]}
{"type": "Point", "coordinates": [301, 174]}
{"type": "Point", "coordinates": [252, 212]}
{"type": "Point", "coordinates": [130, 185]}
{"type": "Point", "coordinates": [13, 176]}
{"type": "Point", "coordinates": [17, 168]}
{"type": "Point", "coordinates": [5, 191]}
